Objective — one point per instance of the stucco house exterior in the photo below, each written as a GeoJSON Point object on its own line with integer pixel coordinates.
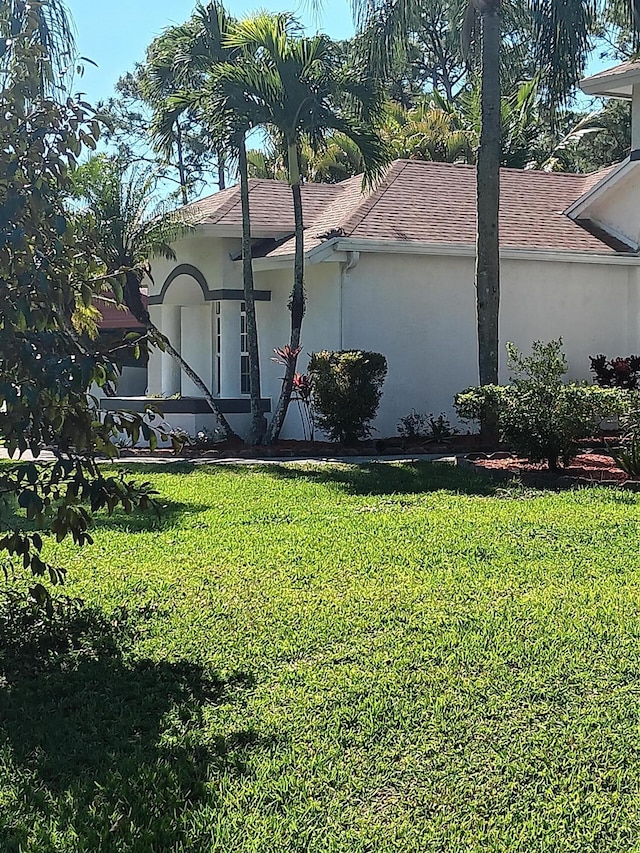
{"type": "Point", "coordinates": [392, 270]}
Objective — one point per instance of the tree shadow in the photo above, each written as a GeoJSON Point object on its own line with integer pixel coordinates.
{"type": "Point", "coordinates": [103, 750]}
{"type": "Point", "coordinates": [391, 478]}
{"type": "Point", "coordinates": [169, 514]}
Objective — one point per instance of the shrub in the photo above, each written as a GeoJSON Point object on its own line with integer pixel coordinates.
{"type": "Point", "coordinates": [617, 372]}
{"type": "Point", "coordinates": [539, 415]}
{"type": "Point", "coordinates": [347, 387]}
{"type": "Point", "coordinates": [419, 425]}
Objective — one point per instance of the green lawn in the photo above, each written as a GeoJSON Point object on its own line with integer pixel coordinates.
{"type": "Point", "coordinates": [394, 658]}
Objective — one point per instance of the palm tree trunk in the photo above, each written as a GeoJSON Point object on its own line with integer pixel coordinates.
{"type": "Point", "coordinates": [222, 181]}
{"type": "Point", "coordinates": [181, 169]}
{"type": "Point", "coordinates": [488, 189]}
{"type": "Point", "coordinates": [297, 305]}
{"type": "Point", "coordinates": [256, 431]}
{"type": "Point", "coordinates": [134, 303]}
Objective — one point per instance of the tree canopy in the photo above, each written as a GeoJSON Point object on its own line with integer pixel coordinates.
{"type": "Point", "coordinates": [49, 270]}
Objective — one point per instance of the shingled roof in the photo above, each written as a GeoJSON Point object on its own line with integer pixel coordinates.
{"type": "Point", "coordinates": [270, 203]}
{"type": "Point", "coordinates": [422, 202]}
{"type": "Point", "coordinates": [116, 317]}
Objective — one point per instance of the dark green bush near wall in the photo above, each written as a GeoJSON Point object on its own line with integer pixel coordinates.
{"type": "Point", "coordinates": [347, 387]}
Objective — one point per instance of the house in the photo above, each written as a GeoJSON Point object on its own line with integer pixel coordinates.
{"type": "Point", "coordinates": [392, 270]}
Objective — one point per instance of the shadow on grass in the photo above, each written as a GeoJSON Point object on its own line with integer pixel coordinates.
{"type": "Point", "coordinates": [389, 479]}
{"type": "Point", "coordinates": [171, 513]}
{"type": "Point", "coordinates": [105, 753]}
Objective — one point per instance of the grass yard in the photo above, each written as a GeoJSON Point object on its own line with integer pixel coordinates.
{"type": "Point", "coordinates": [395, 658]}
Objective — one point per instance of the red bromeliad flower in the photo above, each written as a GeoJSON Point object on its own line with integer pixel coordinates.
{"type": "Point", "coordinates": [302, 386]}
{"type": "Point", "coordinates": [286, 355]}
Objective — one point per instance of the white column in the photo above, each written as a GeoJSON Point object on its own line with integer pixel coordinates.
{"type": "Point", "coordinates": [635, 117]}
{"type": "Point", "coordinates": [230, 349]}
{"type": "Point", "coordinates": [197, 345]}
{"type": "Point", "coordinates": [154, 368]}
{"type": "Point", "coordinates": [171, 327]}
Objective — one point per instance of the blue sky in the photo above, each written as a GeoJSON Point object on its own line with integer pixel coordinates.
{"type": "Point", "coordinates": [115, 35]}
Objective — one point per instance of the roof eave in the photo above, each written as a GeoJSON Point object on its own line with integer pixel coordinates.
{"type": "Point", "coordinates": [338, 251]}
{"type": "Point", "coordinates": [611, 85]}
{"type": "Point", "coordinates": [346, 245]}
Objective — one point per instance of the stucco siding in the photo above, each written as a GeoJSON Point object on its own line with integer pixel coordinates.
{"type": "Point", "coordinates": [320, 329]}
{"type": "Point", "coordinates": [419, 311]}
{"type": "Point", "coordinates": [592, 307]}
{"type": "Point", "coordinates": [617, 209]}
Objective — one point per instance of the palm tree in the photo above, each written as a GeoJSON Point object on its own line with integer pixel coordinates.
{"type": "Point", "coordinates": [158, 84]}
{"type": "Point", "coordinates": [430, 130]}
{"type": "Point", "coordinates": [199, 47]}
{"type": "Point", "coordinates": [561, 34]}
{"type": "Point", "coordinates": [337, 159]}
{"type": "Point", "coordinates": [44, 25]}
{"type": "Point", "coordinates": [294, 85]}
{"type": "Point", "coordinates": [118, 209]}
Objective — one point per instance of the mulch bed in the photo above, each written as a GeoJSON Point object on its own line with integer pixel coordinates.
{"type": "Point", "coordinates": [591, 467]}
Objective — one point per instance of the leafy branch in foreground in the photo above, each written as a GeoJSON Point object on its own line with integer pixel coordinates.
{"type": "Point", "coordinates": [49, 270]}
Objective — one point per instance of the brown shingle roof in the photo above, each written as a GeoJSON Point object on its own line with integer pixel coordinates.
{"type": "Point", "coordinates": [622, 68]}
{"type": "Point", "coordinates": [436, 203]}
{"type": "Point", "coordinates": [114, 316]}
{"type": "Point", "coordinates": [269, 202]}
{"type": "Point", "coordinates": [419, 201]}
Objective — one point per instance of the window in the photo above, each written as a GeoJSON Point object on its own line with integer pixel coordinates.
{"type": "Point", "coordinates": [218, 343]}
{"type": "Point", "coordinates": [244, 351]}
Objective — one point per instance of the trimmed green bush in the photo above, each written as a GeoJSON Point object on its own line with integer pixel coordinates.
{"type": "Point", "coordinates": [347, 387]}
{"type": "Point", "coordinates": [540, 416]}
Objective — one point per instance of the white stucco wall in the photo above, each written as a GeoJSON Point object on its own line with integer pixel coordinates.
{"type": "Point", "coordinates": [320, 330]}
{"type": "Point", "coordinates": [593, 307]}
{"type": "Point", "coordinates": [419, 311]}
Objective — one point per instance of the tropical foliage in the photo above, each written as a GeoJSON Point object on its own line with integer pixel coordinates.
{"type": "Point", "coordinates": [49, 270]}
{"type": "Point", "coordinates": [538, 414]}
{"type": "Point", "coordinates": [130, 230]}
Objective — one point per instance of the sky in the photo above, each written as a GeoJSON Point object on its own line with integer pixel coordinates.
{"type": "Point", "coordinates": [115, 35]}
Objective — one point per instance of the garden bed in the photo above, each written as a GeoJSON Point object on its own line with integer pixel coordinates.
{"type": "Point", "coordinates": [284, 449]}
{"type": "Point", "coordinates": [591, 467]}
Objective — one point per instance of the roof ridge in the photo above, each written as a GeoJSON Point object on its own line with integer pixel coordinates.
{"type": "Point", "coordinates": [200, 201]}
{"type": "Point", "coordinates": [229, 204]}
{"type": "Point", "coordinates": [366, 205]}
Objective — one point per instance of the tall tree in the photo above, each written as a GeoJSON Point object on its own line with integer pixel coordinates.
{"type": "Point", "coordinates": [199, 48]}
{"type": "Point", "coordinates": [561, 37]}
{"type": "Point", "coordinates": [48, 267]}
{"type": "Point", "coordinates": [488, 203]}
{"type": "Point", "coordinates": [132, 232]}
{"type": "Point", "coordinates": [44, 28]}
{"type": "Point", "coordinates": [145, 129]}
{"type": "Point", "coordinates": [295, 85]}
